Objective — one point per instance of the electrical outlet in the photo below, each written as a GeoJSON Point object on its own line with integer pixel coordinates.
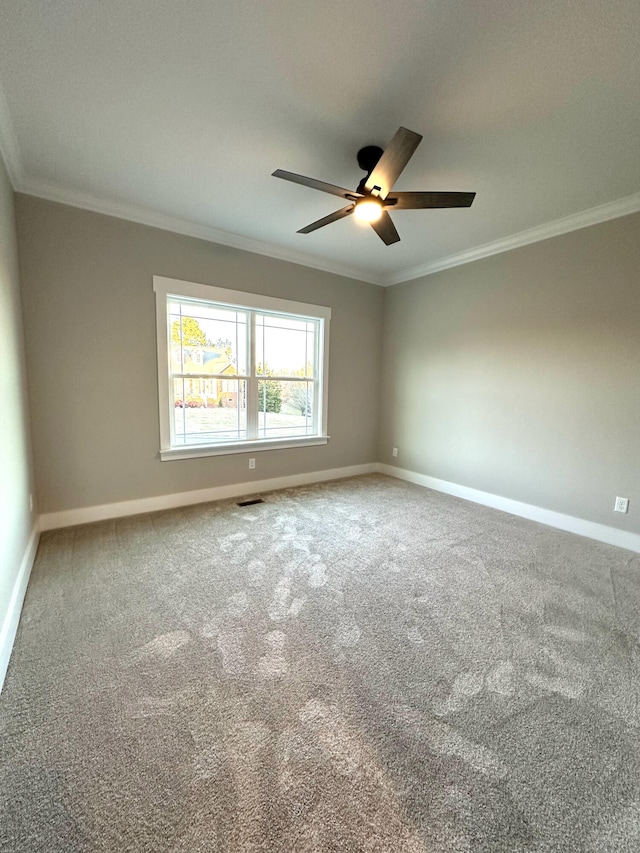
{"type": "Point", "coordinates": [394, 452]}
{"type": "Point", "coordinates": [252, 463]}
{"type": "Point", "coordinates": [621, 505]}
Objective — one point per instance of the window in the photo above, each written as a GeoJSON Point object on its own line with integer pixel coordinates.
{"type": "Point", "coordinates": [238, 372]}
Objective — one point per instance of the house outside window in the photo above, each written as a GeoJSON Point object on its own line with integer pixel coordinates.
{"type": "Point", "coordinates": [238, 372]}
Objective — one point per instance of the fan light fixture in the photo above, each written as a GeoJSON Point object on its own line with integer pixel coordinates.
{"type": "Point", "coordinates": [368, 210]}
{"type": "Point", "coordinates": [375, 196]}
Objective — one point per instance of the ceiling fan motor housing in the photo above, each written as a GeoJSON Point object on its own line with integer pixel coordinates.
{"type": "Point", "coordinates": [368, 158]}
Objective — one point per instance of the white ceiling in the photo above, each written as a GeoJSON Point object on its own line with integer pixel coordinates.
{"type": "Point", "coordinates": [176, 113]}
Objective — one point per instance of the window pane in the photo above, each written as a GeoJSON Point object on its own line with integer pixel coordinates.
{"type": "Point", "coordinates": [209, 410]}
{"type": "Point", "coordinates": [206, 339]}
{"type": "Point", "coordinates": [284, 346]}
{"type": "Point", "coordinates": [285, 408]}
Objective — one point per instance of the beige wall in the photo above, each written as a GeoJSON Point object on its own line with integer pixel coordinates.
{"type": "Point", "coordinates": [89, 314]}
{"type": "Point", "coordinates": [516, 375]}
{"type": "Point", "coordinates": [519, 374]}
{"type": "Point", "coordinates": [16, 521]}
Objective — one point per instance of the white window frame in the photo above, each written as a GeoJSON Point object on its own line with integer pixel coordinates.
{"type": "Point", "coordinates": [167, 287]}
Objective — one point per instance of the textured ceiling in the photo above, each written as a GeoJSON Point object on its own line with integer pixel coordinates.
{"type": "Point", "coordinates": [178, 112]}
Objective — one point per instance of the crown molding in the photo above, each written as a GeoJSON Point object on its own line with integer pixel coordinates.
{"type": "Point", "coordinates": [9, 149]}
{"type": "Point", "coordinates": [592, 216]}
{"type": "Point", "coordinates": [143, 216]}
{"type": "Point", "coordinates": [51, 192]}
{"type": "Point", "coordinates": [10, 154]}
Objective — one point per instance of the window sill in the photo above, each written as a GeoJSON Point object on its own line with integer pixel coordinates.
{"type": "Point", "coordinates": [195, 451]}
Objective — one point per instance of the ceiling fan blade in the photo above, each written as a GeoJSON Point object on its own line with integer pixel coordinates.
{"type": "Point", "coordinates": [394, 158]}
{"type": "Point", "coordinates": [385, 229]}
{"type": "Point", "coordinates": [316, 185]}
{"type": "Point", "coordinates": [416, 201]}
{"type": "Point", "coordinates": [327, 220]}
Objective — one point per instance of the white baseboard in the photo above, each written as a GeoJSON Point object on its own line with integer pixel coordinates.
{"type": "Point", "coordinates": [590, 529]}
{"type": "Point", "coordinates": [10, 624]}
{"type": "Point", "coordinates": [82, 515]}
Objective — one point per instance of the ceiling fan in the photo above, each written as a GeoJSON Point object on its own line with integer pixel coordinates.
{"type": "Point", "coordinates": [373, 198]}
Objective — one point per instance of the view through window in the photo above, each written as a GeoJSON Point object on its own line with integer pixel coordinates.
{"type": "Point", "coordinates": [239, 373]}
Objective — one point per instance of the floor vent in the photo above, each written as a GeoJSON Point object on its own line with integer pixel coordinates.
{"type": "Point", "coordinates": [250, 502]}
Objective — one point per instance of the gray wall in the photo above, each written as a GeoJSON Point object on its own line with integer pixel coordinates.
{"type": "Point", "coordinates": [520, 374]}
{"type": "Point", "coordinates": [16, 521]}
{"type": "Point", "coordinates": [89, 313]}
{"type": "Point", "coordinates": [516, 375]}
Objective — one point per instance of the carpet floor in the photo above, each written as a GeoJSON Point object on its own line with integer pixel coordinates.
{"type": "Point", "coordinates": [362, 665]}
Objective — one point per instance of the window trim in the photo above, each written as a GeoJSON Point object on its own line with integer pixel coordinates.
{"type": "Point", "coordinates": [166, 287]}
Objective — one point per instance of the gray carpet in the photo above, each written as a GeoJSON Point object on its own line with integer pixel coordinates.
{"type": "Point", "coordinates": [362, 665]}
